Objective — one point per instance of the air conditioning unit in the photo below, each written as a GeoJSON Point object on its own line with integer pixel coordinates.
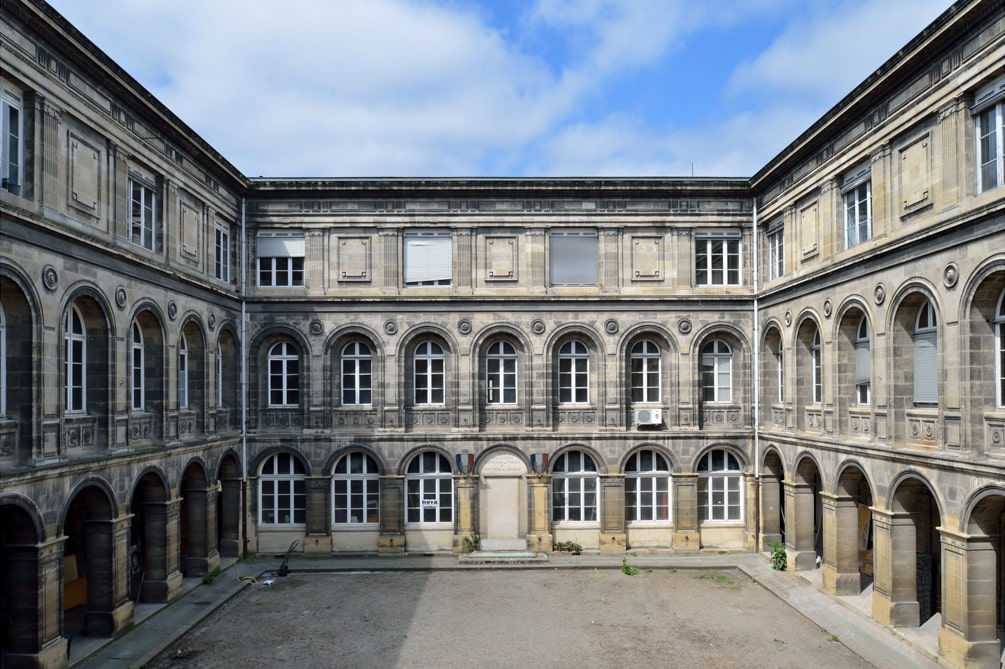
{"type": "Point", "coordinates": [648, 416]}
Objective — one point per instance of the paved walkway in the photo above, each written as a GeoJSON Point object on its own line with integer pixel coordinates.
{"type": "Point", "coordinates": [159, 626]}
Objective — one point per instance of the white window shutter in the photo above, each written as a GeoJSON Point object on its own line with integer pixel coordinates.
{"type": "Point", "coordinates": [926, 368]}
{"type": "Point", "coordinates": [863, 362]}
{"type": "Point", "coordinates": [428, 258]}
{"type": "Point", "coordinates": [574, 259]}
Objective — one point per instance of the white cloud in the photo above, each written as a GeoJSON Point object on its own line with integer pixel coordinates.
{"type": "Point", "coordinates": [412, 88]}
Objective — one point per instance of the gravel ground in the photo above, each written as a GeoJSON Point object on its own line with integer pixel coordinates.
{"type": "Point", "coordinates": [491, 618]}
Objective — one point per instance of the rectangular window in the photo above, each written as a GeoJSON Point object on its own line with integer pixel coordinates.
{"type": "Point", "coordinates": [574, 258]}
{"type": "Point", "coordinates": [222, 253]}
{"type": "Point", "coordinates": [776, 250]}
{"type": "Point", "coordinates": [143, 213]}
{"type": "Point", "coordinates": [280, 260]}
{"type": "Point", "coordinates": [856, 190]}
{"type": "Point", "coordinates": [717, 259]}
{"type": "Point", "coordinates": [11, 142]}
{"type": "Point", "coordinates": [427, 258]}
{"type": "Point", "coordinates": [989, 108]}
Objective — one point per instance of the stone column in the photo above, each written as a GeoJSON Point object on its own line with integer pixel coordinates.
{"type": "Point", "coordinates": [197, 505]}
{"type": "Point", "coordinates": [539, 536]}
{"type": "Point", "coordinates": [771, 511]}
{"type": "Point", "coordinates": [841, 574]}
{"type": "Point", "coordinates": [318, 538]}
{"type": "Point", "coordinates": [230, 518]}
{"type": "Point", "coordinates": [895, 588]}
{"type": "Point", "coordinates": [109, 609]}
{"type": "Point", "coordinates": [613, 538]}
{"type": "Point", "coordinates": [750, 484]}
{"type": "Point", "coordinates": [390, 243]}
{"type": "Point", "coordinates": [392, 515]}
{"type": "Point", "coordinates": [968, 636]}
{"type": "Point", "coordinates": [800, 546]}
{"type": "Point", "coordinates": [686, 536]}
{"type": "Point", "coordinates": [466, 488]}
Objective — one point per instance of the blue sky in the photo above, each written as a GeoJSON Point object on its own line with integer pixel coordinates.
{"type": "Point", "coordinates": [577, 88]}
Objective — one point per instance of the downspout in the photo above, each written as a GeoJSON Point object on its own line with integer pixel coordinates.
{"type": "Point", "coordinates": [244, 380]}
{"type": "Point", "coordinates": [757, 384]}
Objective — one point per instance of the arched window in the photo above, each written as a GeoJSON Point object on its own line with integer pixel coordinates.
{"type": "Point", "coordinates": [719, 487]}
{"type": "Point", "coordinates": [282, 497]}
{"type": "Point", "coordinates": [356, 490]}
{"type": "Point", "coordinates": [430, 487]}
{"type": "Point", "coordinates": [139, 371]}
{"type": "Point", "coordinates": [284, 375]}
{"type": "Point", "coordinates": [573, 373]}
{"type": "Point", "coordinates": [926, 356]}
{"type": "Point", "coordinates": [1000, 347]}
{"type": "Point", "coordinates": [817, 359]}
{"type": "Point", "coordinates": [428, 373]}
{"type": "Point", "coordinates": [357, 361]}
{"type": "Point", "coordinates": [863, 363]}
{"type": "Point", "coordinates": [500, 373]}
{"type": "Point", "coordinates": [574, 488]}
{"type": "Point", "coordinates": [219, 375]}
{"type": "Point", "coordinates": [780, 367]}
{"type": "Point", "coordinates": [75, 359]}
{"type": "Point", "coordinates": [182, 372]}
{"type": "Point", "coordinates": [647, 487]}
{"type": "Point", "coordinates": [645, 371]}
{"type": "Point", "coordinates": [717, 372]}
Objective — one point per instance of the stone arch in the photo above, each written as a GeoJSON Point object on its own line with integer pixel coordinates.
{"type": "Point", "coordinates": [191, 365]}
{"type": "Point", "coordinates": [772, 373]}
{"type": "Point", "coordinates": [981, 330]}
{"type": "Point", "coordinates": [810, 387]}
{"type": "Point", "coordinates": [771, 495]}
{"type": "Point", "coordinates": [227, 380]}
{"type": "Point", "coordinates": [20, 367]}
{"type": "Point", "coordinates": [804, 514]}
{"type": "Point", "coordinates": [848, 533]}
{"type": "Point", "coordinates": [153, 538]}
{"type": "Point", "coordinates": [26, 625]}
{"type": "Point", "coordinates": [502, 500]}
{"type": "Point", "coordinates": [228, 519]}
{"type": "Point", "coordinates": [197, 521]}
{"type": "Point", "coordinates": [854, 353]}
{"type": "Point", "coordinates": [635, 372]}
{"type": "Point", "coordinates": [354, 399]}
{"type": "Point", "coordinates": [490, 373]}
{"type": "Point", "coordinates": [713, 407]}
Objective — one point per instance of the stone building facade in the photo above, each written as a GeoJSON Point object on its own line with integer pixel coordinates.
{"type": "Point", "coordinates": [198, 365]}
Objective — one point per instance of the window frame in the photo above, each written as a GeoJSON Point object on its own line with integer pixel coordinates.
{"type": "Point", "coordinates": [143, 212]}
{"type": "Point", "coordinates": [574, 373]}
{"type": "Point", "coordinates": [856, 199]}
{"type": "Point", "coordinates": [283, 375]}
{"type": "Point", "coordinates": [863, 363]}
{"type": "Point", "coordinates": [183, 360]}
{"type": "Point", "coordinates": [724, 247]}
{"type": "Point", "coordinates": [1000, 348]}
{"type": "Point", "coordinates": [362, 498]}
{"type": "Point", "coordinates": [776, 250]}
{"type": "Point", "coordinates": [435, 484]}
{"type": "Point", "coordinates": [574, 258]}
{"type": "Point", "coordinates": [567, 484]}
{"type": "Point", "coordinates": [501, 373]}
{"type": "Point", "coordinates": [720, 393]}
{"type": "Point", "coordinates": [137, 359]}
{"type": "Point", "coordinates": [925, 347]}
{"type": "Point", "coordinates": [646, 384]}
{"type": "Point", "coordinates": [427, 258]}
{"type": "Point", "coordinates": [222, 252]}
{"type": "Point", "coordinates": [11, 142]}
{"type": "Point", "coordinates": [75, 361]}
{"type": "Point", "coordinates": [989, 135]}
{"type": "Point", "coordinates": [817, 371]}
{"type": "Point", "coordinates": [280, 260]}
{"type": "Point", "coordinates": [650, 482]}
{"type": "Point", "coordinates": [289, 485]}
{"type": "Point", "coordinates": [429, 363]}
{"type": "Point", "coordinates": [724, 480]}
{"type": "Point", "coordinates": [356, 382]}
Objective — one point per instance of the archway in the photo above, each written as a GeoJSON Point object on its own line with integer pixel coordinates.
{"type": "Point", "coordinates": [848, 542]}
{"type": "Point", "coordinates": [502, 493]}
{"type": "Point", "coordinates": [153, 547]}
{"type": "Point", "coordinates": [90, 595]}
{"type": "Point", "coordinates": [19, 591]}
{"type": "Point", "coordinates": [228, 507]}
{"type": "Point", "coordinates": [196, 534]}
{"type": "Point", "coordinates": [772, 497]}
{"type": "Point", "coordinates": [804, 512]}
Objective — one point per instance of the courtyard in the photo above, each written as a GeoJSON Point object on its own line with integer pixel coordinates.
{"type": "Point", "coordinates": [508, 618]}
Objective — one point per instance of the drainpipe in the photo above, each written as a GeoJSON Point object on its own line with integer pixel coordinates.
{"type": "Point", "coordinates": [755, 340]}
{"type": "Point", "coordinates": [244, 380]}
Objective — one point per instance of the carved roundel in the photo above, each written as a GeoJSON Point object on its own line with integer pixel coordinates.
{"type": "Point", "coordinates": [951, 275]}
{"type": "Point", "coordinates": [212, 321]}
{"type": "Point", "coordinates": [684, 326]}
{"type": "Point", "coordinates": [828, 308]}
{"type": "Point", "coordinates": [172, 310]}
{"type": "Point", "coordinates": [611, 326]}
{"type": "Point", "coordinates": [788, 318]}
{"type": "Point", "coordinates": [880, 293]}
{"type": "Point", "coordinates": [317, 327]}
{"type": "Point", "coordinates": [50, 278]}
{"type": "Point", "coordinates": [390, 327]}
{"type": "Point", "coordinates": [464, 326]}
{"type": "Point", "coordinates": [537, 326]}
{"type": "Point", "coordinates": [120, 297]}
